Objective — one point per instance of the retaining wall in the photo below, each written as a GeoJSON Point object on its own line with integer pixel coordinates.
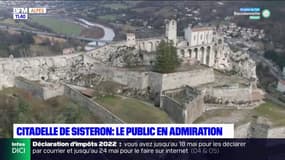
{"type": "Point", "coordinates": [105, 115]}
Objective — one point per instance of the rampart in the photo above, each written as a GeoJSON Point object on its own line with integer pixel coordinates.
{"type": "Point", "coordinates": [33, 87]}
{"type": "Point", "coordinates": [231, 94]}
{"type": "Point", "coordinates": [44, 92]}
{"type": "Point", "coordinates": [105, 115]}
{"type": "Point", "coordinates": [141, 78]}
{"type": "Point", "coordinates": [184, 105]}
{"type": "Point", "coordinates": [160, 82]}
{"type": "Point", "coordinates": [40, 89]}
{"type": "Point", "coordinates": [132, 79]}
{"type": "Point", "coordinates": [35, 68]}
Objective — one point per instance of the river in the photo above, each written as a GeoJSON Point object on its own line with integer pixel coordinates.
{"type": "Point", "coordinates": [109, 33]}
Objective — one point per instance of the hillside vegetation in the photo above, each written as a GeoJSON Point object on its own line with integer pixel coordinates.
{"type": "Point", "coordinates": [18, 106]}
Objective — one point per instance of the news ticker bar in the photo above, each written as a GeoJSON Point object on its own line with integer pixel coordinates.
{"type": "Point", "coordinates": [169, 131]}
{"type": "Point", "coordinates": [130, 149]}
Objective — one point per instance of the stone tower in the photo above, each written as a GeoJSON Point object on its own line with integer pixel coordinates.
{"type": "Point", "coordinates": [131, 40]}
{"type": "Point", "coordinates": [171, 31]}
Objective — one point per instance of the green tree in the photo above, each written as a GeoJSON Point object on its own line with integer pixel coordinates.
{"type": "Point", "coordinates": [166, 58]}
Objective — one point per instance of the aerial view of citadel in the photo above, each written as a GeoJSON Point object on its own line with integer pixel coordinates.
{"type": "Point", "coordinates": [144, 62]}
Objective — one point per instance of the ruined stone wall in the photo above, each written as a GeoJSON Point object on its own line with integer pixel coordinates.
{"type": "Point", "coordinates": [53, 90]}
{"type": "Point", "coordinates": [33, 87]}
{"type": "Point", "coordinates": [278, 132]}
{"type": "Point", "coordinates": [185, 109]}
{"type": "Point", "coordinates": [133, 79]}
{"type": "Point", "coordinates": [103, 53]}
{"type": "Point", "coordinates": [42, 91]}
{"type": "Point", "coordinates": [148, 44]}
{"type": "Point", "coordinates": [105, 115]}
{"type": "Point", "coordinates": [251, 130]}
{"type": "Point", "coordinates": [174, 109]}
{"type": "Point", "coordinates": [137, 80]}
{"type": "Point", "coordinates": [159, 82]}
{"type": "Point", "coordinates": [36, 68]}
{"type": "Point", "coordinates": [194, 109]}
{"type": "Point", "coordinates": [191, 78]}
{"type": "Point", "coordinates": [183, 113]}
{"type": "Point", "coordinates": [155, 82]}
{"type": "Point", "coordinates": [242, 131]}
{"type": "Point", "coordinates": [231, 94]}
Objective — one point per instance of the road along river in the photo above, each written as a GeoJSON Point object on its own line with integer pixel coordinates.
{"type": "Point", "coordinates": [109, 33]}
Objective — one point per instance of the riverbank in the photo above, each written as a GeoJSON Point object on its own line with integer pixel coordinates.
{"type": "Point", "coordinates": [68, 26]}
{"type": "Point", "coordinates": [109, 33]}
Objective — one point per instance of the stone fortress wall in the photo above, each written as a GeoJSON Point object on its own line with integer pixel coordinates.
{"type": "Point", "coordinates": [231, 93]}
{"type": "Point", "coordinates": [40, 89]}
{"type": "Point", "coordinates": [133, 79]}
{"type": "Point", "coordinates": [259, 128]}
{"type": "Point", "coordinates": [33, 87]}
{"type": "Point", "coordinates": [142, 79]}
{"type": "Point", "coordinates": [174, 109]}
{"type": "Point", "coordinates": [51, 90]}
{"type": "Point", "coordinates": [101, 54]}
{"type": "Point", "coordinates": [277, 132]}
{"type": "Point", "coordinates": [160, 82]}
{"type": "Point", "coordinates": [186, 107]}
{"type": "Point", "coordinates": [192, 78]}
{"type": "Point", "coordinates": [44, 90]}
{"type": "Point", "coordinates": [57, 68]}
{"type": "Point", "coordinates": [35, 68]}
{"type": "Point", "coordinates": [99, 111]}
{"type": "Point", "coordinates": [180, 112]}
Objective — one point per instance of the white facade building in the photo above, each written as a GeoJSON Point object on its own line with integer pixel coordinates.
{"type": "Point", "coordinates": [199, 44]}
{"type": "Point", "coordinates": [198, 36]}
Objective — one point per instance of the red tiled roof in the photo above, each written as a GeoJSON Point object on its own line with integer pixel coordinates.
{"type": "Point", "coordinates": [87, 92]}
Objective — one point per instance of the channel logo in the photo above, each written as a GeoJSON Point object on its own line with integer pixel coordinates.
{"type": "Point", "coordinates": [266, 13]}
{"type": "Point", "coordinates": [20, 13]}
{"type": "Point", "coordinates": [20, 10]}
{"type": "Point", "coordinates": [18, 148]}
{"type": "Point", "coordinates": [37, 10]}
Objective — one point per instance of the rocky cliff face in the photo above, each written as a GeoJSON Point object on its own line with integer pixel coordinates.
{"type": "Point", "coordinates": [243, 65]}
{"type": "Point", "coordinates": [237, 62]}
